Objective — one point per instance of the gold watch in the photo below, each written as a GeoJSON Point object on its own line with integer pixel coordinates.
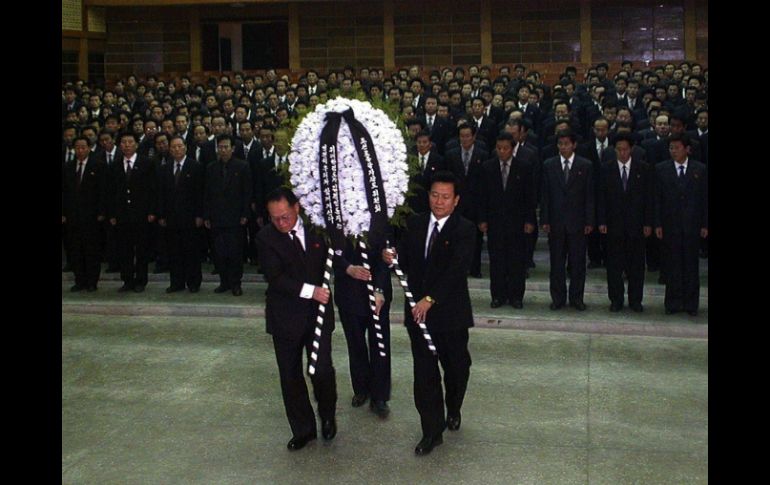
{"type": "Point", "coordinates": [430, 300]}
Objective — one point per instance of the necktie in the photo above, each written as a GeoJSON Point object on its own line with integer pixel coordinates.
{"type": "Point", "coordinates": [430, 123]}
{"type": "Point", "coordinates": [432, 240]}
{"type": "Point", "coordinates": [601, 150]}
{"type": "Point", "coordinates": [70, 155]}
{"type": "Point", "coordinates": [566, 171]}
{"type": "Point", "coordinates": [504, 173]}
{"type": "Point", "coordinates": [624, 178]}
{"type": "Point", "coordinates": [422, 162]}
{"type": "Point", "coordinates": [466, 160]}
{"type": "Point", "coordinates": [109, 158]}
{"type": "Point", "coordinates": [177, 171]}
{"type": "Point", "coordinates": [681, 172]}
{"type": "Point", "coordinates": [297, 242]}
{"type": "Point", "coordinates": [128, 171]}
{"type": "Point", "coordinates": [245, 152]}
{"type": "Point", "coordinates": [80, 173]}
{"type": "Point", "coordinates": [198, 153]}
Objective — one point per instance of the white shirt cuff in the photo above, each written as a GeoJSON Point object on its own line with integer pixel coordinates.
{"type": "Point", "coordinates": [307, 291]}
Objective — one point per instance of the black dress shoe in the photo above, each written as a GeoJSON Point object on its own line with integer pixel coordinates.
{"type": "Point", "coordinates": [652, 269]}
{"type": "Point", "coordinates": [579, 306]}
{"type": "Point", "coordinates": [616, 307]}
{"type": "Point", "coordinates": [221, 289]}
{"type": "Point", "coordinates": [126, 287]}
{"type": "Point", "coordinates": [427, 444]}
{"type": "Point", "coordinates": [174, 289]}
{"type": "Point", "coordinates": [91, 288]}
{"type": "Point", "coordinates": [517, 304]}
{"type": "Point", "coordinates": [359, 400]}
{"type": "Point", "coordinates": [328, 429]}
{"type": "Point", "coordinates": [453, 422]}
{"type": "Point", "coordinates": [138, 288]}
{"type": "Point", "coordinates": [556, 306]}
{"type": "Point", "coordinates": [594, 265]}
{"type": "Point", "coordinates": [195, 289]}
{"type": "Point", "coordinates": [237, 291]}
{"type": "Point", "coordinates": [477, 274]}
{"type": "Point", "coordinates": [380, 408]}
{"type": "Point", "coordinates": [637, 307]}
{"type": "Point", "coordinates": [692, 313]}
{"type": "Point", "coordinates": [76, 288]}
{"type": "Point", "coordinates": [670, 311]}
{"type": "Point", "coordinates": [496, 304]}
{"type": "Point", "coordinates": [299, 442]}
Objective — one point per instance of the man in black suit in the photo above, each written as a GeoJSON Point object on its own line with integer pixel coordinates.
{"type": "Point", "coordinates": [181, 214]}
{"type": "Point", "coordinates": [226, 205]}
{"type": "Point", "coordinates": [429, 163]}
{"type": "Point", "coordinates": [465, 162]}
{"type": "Point", "coordinates": [204, 152]}
{"type": "Point", "coordinates": [435, 252]}
{"type": "Point", "coordinates": [567, 215]}
{"type": "Point", "coordinates": [507, 215]}
{"type": "Point", "coordinates": [292, 258]}
{"type": "Point", "coordinates": [369, 372]}
{"type": "Point", "coordinates": [624, 215]}
{"type": "Point", "coordinates": [599, 152]}
{"type": "Point", "coordinates": [84, 210]}
{"type": "Point", "coordinates": [132, 209]}
{"type": "Point", "coordinates": [268, 167]}
{"type": "Point", "coordinates": [681, 220]}
{"type": "Point", "coordinates": [440, 129]}
{"type": "Point", "coordinates": [486, 129]}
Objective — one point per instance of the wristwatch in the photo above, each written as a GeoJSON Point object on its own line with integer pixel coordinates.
{"type": "Point", "coordinates": [430, 300]}
{"type": "Point", "coordinates": [379, 290]}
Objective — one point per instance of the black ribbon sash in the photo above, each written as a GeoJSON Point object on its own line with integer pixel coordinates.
{"type": "Point", "coordinates": [375, 194]}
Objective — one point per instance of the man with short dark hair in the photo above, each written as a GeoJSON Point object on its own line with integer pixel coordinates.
{"type": "Point", "coordinates": [226, 206]}
{"type": "Point", "coordinates": [429, 163]}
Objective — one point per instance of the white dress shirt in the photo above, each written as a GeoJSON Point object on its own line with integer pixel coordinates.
{"type": "Point", "coordinates": [432, 222]}
{"type": "Point", "coordinates": [299, 227]}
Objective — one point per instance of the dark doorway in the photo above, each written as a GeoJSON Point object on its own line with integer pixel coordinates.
{"type": "Point", "coordinates": [225, 54]}
{"type": "Point", "coordinates": [265, 45]}
{"type": "Point", "coordinates": [210, 47]}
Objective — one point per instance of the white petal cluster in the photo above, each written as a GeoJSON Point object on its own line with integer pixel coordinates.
{"type": "Point", "coordinates": [305, 171]}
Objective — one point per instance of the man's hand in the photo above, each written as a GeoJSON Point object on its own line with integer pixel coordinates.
{"type": "Point", "coordinates": [588, 230]}
{"type": "Point", "coordinates": [244, 221]}
{"type": "Point", "coordinates": [379, 300]}
{"type": "Point", "coordinates": [529, 228]}
{"type": "Point", "coordinates": [483, 227]}
{"type": "Point", "coordinates": [359, 273]}
{"type": "Point", "coordinates": [603, 229]}
{"type": "Point", "coordinates": [162, 222]}
{"type": "Point", "coordinates": [150, 218]}
{"type": "Point", "coordinates": [63, 220]}
{"type": "Point", "coordinates": [420, 310]}
{"type": "Point", "coordinates": [261, 221]}
{"type": "Point", "coordinates": [207, 224]}
{"type": "Point", "coordinates": [647, 231]}
{"type": "Point", "coordinates": [100, 218]}
{"type": "Point", "coordinates": [321, 295]}
{"type": "Point", "coordinates": [113, 221]}
{"type": "Point", "coordinates": [659, 232]}
{"type": "Point", "coordinates": [546, 228]}
{"type": "Point", "coordinates": [254, 206]}
{"type": "Point", "coordinates": [704, 232]}
{"type": "Point", "coordinates": [198, 221]}
{"type": "Point", "coordinates": [388, 254]}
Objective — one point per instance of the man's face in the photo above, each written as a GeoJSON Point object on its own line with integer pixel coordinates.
{"type": "Point", "coordinates": [504, 149]}
{"type": "Point", "coordinates": [240, 114]}
{"type": "Point", "coordinates": [601, 128]}
{"type": "Point", "coordinates": [281, 141]}
{"type": "Point", "coordinates": [623, 150]}
{"type": "Point", "coordinates": [423, 144]}
{"type": "Point", "coordinates": [225, 150]}
{"type": "Point", "coordinates": [81, 149]}
{"type": "Point", "coordinates": [624, 116]}
{"type": "Point", "coordinates": [610, 113]}
{"type": "Point", "coordinates": [180, 124]}
{"type": "Point", "coordinates": [312, 78]}
{"type": "Point", "coordinates": [94, 102]}
{"type": "Point", "coordinates": [138, 127]}
{"type": "Point", "coordinates": [282, 215]}
{"type": "Point", "coordinates": [200, 135]}
{"type": "Point", "coordinates": [228, 106]}
{"type": "Point", "coordinates": [161, 144]}
{"type": "Point", "coordinates": [246, 132]}
{"type": "Point", "coordinates": [477, 108]}
{"type": "Point", "coordinates": [106, 142]}
{"type": "Point", "coordinates": [178, 149]}
{"type": "Point", "coordinates": [431, 106]}
{"type": "Point", "coordinates": [702, 121]}
{"type": "Point", "coordinates": [416, 88]}
{"type": "Point", "coordinates": [561, 111]}
{"type": "Point", "coordinates": [466, 90]}
{"type": "Point", "coordinates": [266, 138]}
{"type": "Point", "coordinates": [524, 95]}
{"type": "Point", "coordinates": [467, 138]}
{"type": "Point", "coordinates": [90, 134]}
{"type": "Point", "coordinates": [456, 99]}
{"type": "Point", "coordinates": [676, 127]}
{"type": "Point", "coordinates": [678, 151]}
{"type": "Point", "coordinates": [443, 112]}
{"type": "Point", "coordinates": [620, 86]}
{"type": "Point", "coordinates": [218, 126]}
{"type": "Point", "coordinates": [633, 90]}
{"type": "Point", "coordinates": [672, 91]}
{"type": "Point", "coordinates": [661, 126]}
{"type": "Point", "coordinates": [407, 99]}
{"type": "Point", "coordinates": [167, 126]}
{"type": "Point", "coordinates": [442, 199]}
{"type": "Point", "coordinates": [128, 146]}
{"type": "Point", "coordinates": [566, 146]}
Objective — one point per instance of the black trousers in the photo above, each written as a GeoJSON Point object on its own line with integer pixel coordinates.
{"type": "Point", "coordinates": [625, 254]}
{"type": "Point", "coordinates": [653, 254]}
{"type": "Point", "coordinates": [476, 262]}
{"type": "Point", "coordinates": [369, 372]}
{"type": "Point", "coordinates": [252, 228]}
{"type": "Point", "coordinates": [597, 247]}
{"type": "Point", "coordinates": [682, 272]}
{"type": "Point", "coordinates": [296, 401]}
{"type": "Point", "coordinates": [110, 246]}
{"type": "Point", "coordinates": [183, 245]}
{"type": "Point", "coordinates": [565, 247]}
{"type": "Point", "coordinates": [133, 244]}
{"type": "Point", "coordinates": [508, 268]}
{"type": "Point", "coordinates": [228, 254]}
{"type": "Point", "coordinates": [159, 245]}
{"type": "Point", "coordinates": [531, 245]}
{"type": "Point", "coordinates": [84, 253]}
{"type": "Point", "coordinates": [452, 348]}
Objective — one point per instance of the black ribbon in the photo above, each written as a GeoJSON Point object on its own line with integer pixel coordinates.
{"type": "Point", "coordinates": [375, 194]}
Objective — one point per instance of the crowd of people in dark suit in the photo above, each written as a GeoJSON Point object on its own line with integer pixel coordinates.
{"type": "Point", "coordinates": [612, 169]}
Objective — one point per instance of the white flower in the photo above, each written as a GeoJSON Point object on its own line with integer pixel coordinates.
{"type": "Point", "coordinates": [391, 156]}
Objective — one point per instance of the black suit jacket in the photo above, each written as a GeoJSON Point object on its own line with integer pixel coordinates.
{"type": "Point", "coordinates": [287, 315]}
{"type": "Point", "coordinates": [487, 132]}
{"type": "Point", "coordinates": [681, 208]}
{"type": "Point", "coordinates": [420, 182]}
{"type": "Point", "coordinates": [351, 295]}
{"type": "Point", "coordinates": [82, 206]}
{"type": "Point", "coordinates": [134, 200]}
{"type": "Point", "coordinates": [180, 203]}
{"type": "Point", "coordinates": [567, 207]}
{"type": "Point", "coordinates": [208, 153]}
{"type": "Point", "coordinates": [227, 195]}
{"type": "Point", "coordinates": [443, 276]}
{"type": "Point", "coordinates": [625, 213]}
{"type": "Point", "coordinates": [440, 133]}
{"type": "Point", "coordinates": [469, 191]}
{"type": "Point", "coordinates": [268, 178]}
{"type": "Point", "coordinates": [657, 150]}
{"type": "Point", "coordinates": [507, 211]}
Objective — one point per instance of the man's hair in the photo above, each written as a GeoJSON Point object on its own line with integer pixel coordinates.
{"type": "Point", "coordinates": [223, 137]}
{"type": "Point", "coordinates": [625, 137]}
{"type": "Point", "coordinates": [468, 126]}
{"type": "Point", "coordinates": [568, 134]}
{"type": "Point", "coordinates": [683, 138]}
{"type": "Point", "coordinates": [421, 134]}
{"type": "Point", "coordinates": [446, 177]}
{"type": "Point", "coordinates": [176, 137]}
{"type": "Point", "coordinates": [125, 134]}
{"type": "Point", "coordinates": [81, 137]}
{"type": "Point", "coordinates": [282, 193]}
{"type": "Point", "coordinates": [505, 136]}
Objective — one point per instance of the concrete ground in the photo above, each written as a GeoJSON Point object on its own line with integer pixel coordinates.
{"type": "Point", "coordinates": [184, 388]}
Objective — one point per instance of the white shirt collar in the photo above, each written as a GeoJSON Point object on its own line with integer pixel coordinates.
{"type": "Point", "coordinates": [433, 220]}
{"type": "Point", "coordinates": [132, 159]}
{"type": "Point", "coordinates": [571, 159]}
{"type": "Point", "coordinates": [600, 144]}
{"type": "Point", "coordinates": [299, 227]}
{"type": "Point", "coordinates": [677, 165]}
{"type": "Point", "coordinates": [627, 164]}
{"type": "Point", "coordinates": [181, 163]}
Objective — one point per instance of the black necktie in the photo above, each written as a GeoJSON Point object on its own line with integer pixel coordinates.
{"type": "Point", "coordinates": [109, 158]}
{"type": "Point", "coordinates": [297, 242]}
{"type": "Point", "coordinates": [177, 172]}
{"type": "Point", "coordinates": [432, 240]}
{"type": "Point", "coordinates": [80, 173]}
{"type": "Point", "coordinates": [128, 171]}
{"type": "Point", "coordinates": [624, 178]}
{"type": "Point", "coordinates": [566, 171]}
{"type": "Point", "coordinates": [504, 173]}
{"type": "Point", "coordinates": [681, 172]}
{"type": "Point", "coordinates": [466, 160]}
